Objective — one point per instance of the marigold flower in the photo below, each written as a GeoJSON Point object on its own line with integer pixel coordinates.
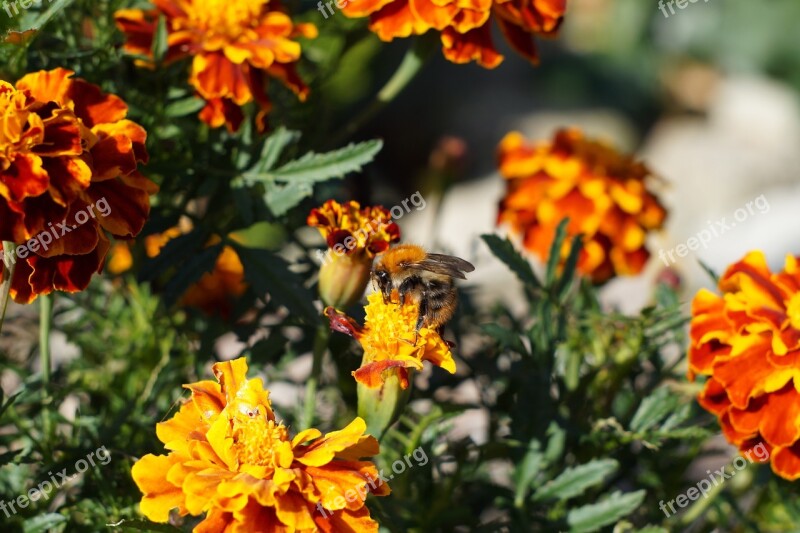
{"type": "Point", "coordinates": [391, 342]}
{"type": "Point", "coordinates": [466, 29]}
{"type": "Point", "coordinates": [748, 342]}
{"type": "Point", "coordinates": [235, 45]}
{"type": "Point", "coordinates": [602, 192]}
{"type": "Point", "coordinates": [230, 459]}
{"type": "Point", "coordinates": [354, 236]}
{"type": "Point", "coordinates": [65, 148]}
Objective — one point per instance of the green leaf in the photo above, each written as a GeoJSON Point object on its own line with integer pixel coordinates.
{"type": "Point", "coordinates": [269, 274]}
{"type": "Point", "coordinates": [173, 253]}
{"type": "Point", "coordinates": [526, 473]}
{"type": "Point", "coordinates": [652, 410]}
{"type": "Point", "coordinates": [54, 8]}
{"type": "Point", "coordinates": [508, 339]}
{"type": "Point", "coordinates": [569, 268]}
{"type": "Point", "coordinates": [160, 44]}
{"type": "Point", "coordinates": [504, 250]}
{"type": "Point", "coordinates": [575, 481]}
{"type": "Point", "coordinates": [713, 275]}
{"type": "Point", "coordinates": [606, 512]}
{"type": "Point", "coordinates": [184, 107]}
{"type": "Point", "coordinates": [274, 147]}
{"type": "Point", "coordinates": [43, 522]}
{"type": "Point", "coordinates": [281, 198]}
{"type": "Point", "coordinates": [555, 253]}
{"type": "Point", "coordinates": [314, 167]}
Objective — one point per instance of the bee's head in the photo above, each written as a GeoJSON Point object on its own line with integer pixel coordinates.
{"type": "Point", "coordinates": [384, 281]}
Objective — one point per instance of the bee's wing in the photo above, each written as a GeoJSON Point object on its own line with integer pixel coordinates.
{"type": "Point", "coordinates": [444, 264]}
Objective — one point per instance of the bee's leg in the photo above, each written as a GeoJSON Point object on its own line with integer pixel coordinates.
{"type": "Point", "coordinates": [408, 285]}
{"type": "Point", "coordinates": [423, 312]}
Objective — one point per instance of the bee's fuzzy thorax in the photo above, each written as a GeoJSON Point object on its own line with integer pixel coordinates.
{"type": "Point", "coordinates": [403, 254]}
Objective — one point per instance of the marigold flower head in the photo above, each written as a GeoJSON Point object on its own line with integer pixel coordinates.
{"type": "Point", "coordinates": [235, 45]}
{"type": "Point", "coordinates": [350, 229]}
{"type": "Point", "coordinates": [230, 459]}
{"type": "Point", "coordinates": [602, 192]}
{"type": "Point", "coordinates": [66, 147]}
{"type": "Point", "coordinates": [465, 26]}
{"type": "Point", "coordinates": [391, 342]}
{"type": "Point", "coordinates": [747, 342]}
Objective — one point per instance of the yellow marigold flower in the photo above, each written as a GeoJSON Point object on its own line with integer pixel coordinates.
{"type": "Point", "coordinates": [465, 26]}
{"type": "Point", "coordinates": [235, 45]}
{"type": "Point", "coordinates": [230, 459]}
{"type": "Point", "coordinates": [390, 342]}
{"type": "Point", "coordinates": [748, 342]}
{"type": "Point", "coordinates": [354, 235]}
{"type": "Point", "coordinates": [602, 192]}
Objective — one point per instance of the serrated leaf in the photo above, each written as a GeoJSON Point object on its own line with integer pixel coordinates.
{"type": "Point", "coordinates": [652, 410]}
{"type": "Point", "coordinates": [312, 167]}
{"type": "Point", "coordinates": [281, 198]}
{"type": "Point", "coordinates": [269, 274]}
{"type": "Point", "coordinates": [575, 481]}
{"type": "Point", "coordinates": [174, 252]}
{"type": "Point", "coordinates": [555, 253]}
{"type": "Point", "coordinates": [606, 512]}
{"type": "Point", "coordinates": [274, 147]}
{"type": "Point", "coordinates": [504, 250]}
{"type": "Point", "coordinates": [43, 522]}
{"type": "Point", "coordinates": [184, 107]}
{"type": "Point", "coordinates": [160, 44]}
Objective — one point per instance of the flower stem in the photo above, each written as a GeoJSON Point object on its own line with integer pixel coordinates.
{"type": "Point", "coordinates": [45, 323]}
{"type": "Point", "coordinates": [416, 57]}
{"type": "Point", "coordinates": [5, 287]}
{"type": "Point", "coordinates": [320, 347]}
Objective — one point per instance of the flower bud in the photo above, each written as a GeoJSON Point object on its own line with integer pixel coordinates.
{"type": "Point", "coordinates": [343, 278]}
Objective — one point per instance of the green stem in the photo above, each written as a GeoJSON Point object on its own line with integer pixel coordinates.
{"type": "Point", "coordinates": [412, 64]}
{"type": "Point", "coordinates": [45, 324]}
{"type": "Point", "coordinates": [8, 274]}
{"type": "Point", "coordinates": [320, 347]}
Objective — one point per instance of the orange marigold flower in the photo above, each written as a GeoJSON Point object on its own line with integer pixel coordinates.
{"type": "Point", "coordinates": [748, 342]}
{"type": "Point", "coordinates": [66, 148]}
{"type": "Point", "coordinates": [390, 341]}
{"type": "Point", "coordinates": [602, 192]}
{"type": "Point", "coordinates": [354, 235]}
{"type": "Point", "coordinates": [465, 26]}
{"type": "Point", "coordinates": [235, 45]}
{"type": "Point", "coordinates": [230, 459]}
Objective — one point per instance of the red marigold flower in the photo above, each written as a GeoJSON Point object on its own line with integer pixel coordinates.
{"type": "Point", "coordinates": [465, 26]}
{"type": "Point", "coordinates": [602, 192]}
{"type": "Point", "coordinates": [748, 342]}
{"type": "Point", "coordinates": [66, 149]}
{"type": "Point", "coordinates": [235, 45]}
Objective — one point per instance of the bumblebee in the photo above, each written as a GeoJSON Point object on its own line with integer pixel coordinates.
{"type": "Point", "coordinates": [425, 278]}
